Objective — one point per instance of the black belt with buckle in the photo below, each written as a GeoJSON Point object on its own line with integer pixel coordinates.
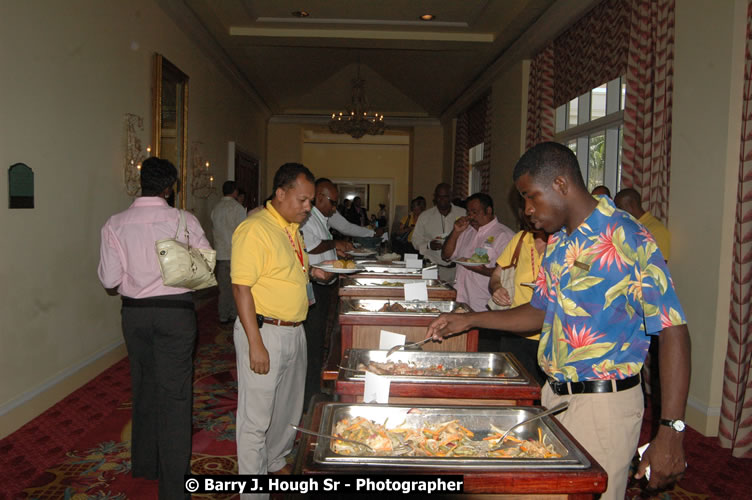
{"type": "Point", "coordinates": [274, 321]}
{"type": "Point", "coordinates": [593, 386]}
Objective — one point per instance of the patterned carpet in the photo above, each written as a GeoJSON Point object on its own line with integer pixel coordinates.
{"type": "Point", "coordinates": [80, 448]}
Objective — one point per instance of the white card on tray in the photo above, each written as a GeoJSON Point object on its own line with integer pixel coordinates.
{"type": "Point", "coordinates": [430, 273]}
{"type": "Point", "coordinates": [416, 291]}
{"type": "Point", "coordinates": [409, 256]}
{"type": "Point", "coordinates": [376, 389]}
{"type": "Point", "coordinates": [414, 263]}
{"type": "Point", "coordinates": [387, 340]}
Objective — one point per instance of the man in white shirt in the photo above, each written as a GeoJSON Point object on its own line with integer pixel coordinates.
{"type": "Point", "coordinates": [338, 222]}
{"type": "Point", "coordinates": [321, 247]}
{"type": "Point", "coordinates": [433, 226]}
{"type": "Point", "coordinates": [226, 216]}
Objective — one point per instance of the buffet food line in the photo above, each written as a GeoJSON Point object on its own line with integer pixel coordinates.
{"type": "Point", "coordinates": [448, 405]}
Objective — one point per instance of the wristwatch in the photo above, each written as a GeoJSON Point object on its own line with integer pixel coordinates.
{"type": "Point", "coordinates": [677, 425]}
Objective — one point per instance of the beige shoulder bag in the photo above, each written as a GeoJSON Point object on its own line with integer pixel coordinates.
{"type": "Point", "coordinates": [184, 266]}
{"type": "Point", "coordinates": [507, 276]}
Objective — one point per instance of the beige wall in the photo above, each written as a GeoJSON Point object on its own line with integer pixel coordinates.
{"type": "Point", "coordinates": [429, 167]}
{"type": "Point", "coordinates": [509, 107]}
{"type": "Point", "coordinates": [708, 77]}
{"type": "Point", "coordinates": [284, 145]}
{"type": "Point", "coordinates": [67, 83]}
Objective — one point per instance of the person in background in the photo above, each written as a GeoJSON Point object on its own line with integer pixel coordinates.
{"type": "Point", "coordinates": [432, 228]}
{"type": "Point", "coordinates": [602, 289]}
{"type": "Point", "coordinates": [480, 234]}
{"type": "Point", "coordinates": [226, 216]}
{"type": "Point", "coordinates": [241, 198]}
{"type": "Point", "coordinates": [403, 238]}
{"type": "Point", "coordinates": [381, 216]}
{"type": "Point", "coordinates": [341, 225]}
{"type": "Point", "coordinates": [344, 207]}
{"type": "Point", "coordinates": [357, 214]}
{"type": "Point", "coordinates": [270, 281]}
{"type": "Point", "coordinates": [159, 327]}
{"type": "Point", "coordinates": [321, 247]}
{"type": "Point", "coordinates": [601, 191]}
{"type": "Point", "coordinates": [630, 201]}
{"type": "Point", "coordinates": [532, 247]}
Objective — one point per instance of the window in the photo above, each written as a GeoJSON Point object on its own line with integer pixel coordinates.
{"type": "Point", "coordinates": [475, 158]}
{"type": "Point", "coordinates": [591, 126]}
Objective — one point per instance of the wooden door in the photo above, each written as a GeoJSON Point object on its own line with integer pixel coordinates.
{"type": "Point", "coordinates": [247, 177]}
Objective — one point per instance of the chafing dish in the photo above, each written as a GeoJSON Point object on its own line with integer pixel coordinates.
{"type": "Point", "coordinates": [390, 283]}
{"type": "Point", "coordinates": [374, 266]}
{"type": "Point", "coordinates": [496, 368]}
{"type": "Point", "coordinates": [477, 419]}
{"type": "Point", "coordinates": [413, 308]}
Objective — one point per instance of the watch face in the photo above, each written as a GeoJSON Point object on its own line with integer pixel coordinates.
{"type": "Point", "coordinates": [678, 425]}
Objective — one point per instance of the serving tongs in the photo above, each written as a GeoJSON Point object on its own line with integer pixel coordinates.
{"type": "Point", "coordinates": [329, 436]}
{"type": "Point", "coordinates": [555, 409]}
{"type": "Point", "coordinates": [407, 346]}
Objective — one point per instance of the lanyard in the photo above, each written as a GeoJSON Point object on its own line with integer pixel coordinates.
{"type": "Point", "coordinates": [532, 260]}
{"type": "Point", "coordinates": [298, 251]}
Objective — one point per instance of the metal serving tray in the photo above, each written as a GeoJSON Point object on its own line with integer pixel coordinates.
{"type": "Point", "coordinates": [371, 306]}
{"type": "Point", "coordinates": [372, 283]}
{"type": "Point", "coordinates": [477, 419]}
{"type": "Point", "coordinates": [374, 266]}
{"type": "Point", "coordinates": [496, 368]}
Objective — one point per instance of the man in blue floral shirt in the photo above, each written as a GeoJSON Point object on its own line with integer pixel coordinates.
{"type": "Point", "coordinates": [603, 287]}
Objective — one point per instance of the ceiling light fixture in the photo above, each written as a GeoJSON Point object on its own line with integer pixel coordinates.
{"type": "Point", "coordinates": [357, 119]}
{"type": "Point", "coordinates": [427, 17]}
{"type": "Point", "coordinates": [301, 13]}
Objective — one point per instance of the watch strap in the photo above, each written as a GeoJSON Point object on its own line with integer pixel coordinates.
{"type": "Point", "coordinates": [678, 425]}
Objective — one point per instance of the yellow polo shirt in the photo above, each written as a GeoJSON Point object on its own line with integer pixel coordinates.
{"type": "Point", "coordinates": [263, 258]}
{"type": "Point", "coordinates": [528, 263]}
{"type": "Point", "coordinates": [660, 233]}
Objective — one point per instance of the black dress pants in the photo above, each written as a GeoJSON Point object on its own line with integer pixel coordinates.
{"type": "Point", "coordinates": [160, 335]}
{"type": "Point", "coordinates": [316, 329]}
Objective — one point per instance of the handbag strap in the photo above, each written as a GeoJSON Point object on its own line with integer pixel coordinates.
{"type": "Point", "coordinates": [181, 222]}
{"type": "Point", "coordinates": [516, 255]}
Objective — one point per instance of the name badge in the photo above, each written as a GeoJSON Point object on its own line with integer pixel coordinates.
{"type": "Point", "coordinates": [581, 265]}
{"type": "Point", "coordinates": [309, 292]}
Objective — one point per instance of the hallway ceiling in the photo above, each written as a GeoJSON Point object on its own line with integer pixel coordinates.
{"type": "Point", "coordinates": [413, 68]}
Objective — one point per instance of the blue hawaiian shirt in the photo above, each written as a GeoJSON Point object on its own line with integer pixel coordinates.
{"type": "Point", "coordinates": [604, 288]}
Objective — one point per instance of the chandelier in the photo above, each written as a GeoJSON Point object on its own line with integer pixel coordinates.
{"type": "Point", "coordinates": [357, 120]}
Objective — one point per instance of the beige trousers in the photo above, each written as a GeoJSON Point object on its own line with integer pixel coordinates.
{"type": "Point", "coordinates": [269, 403]}
{"type": "Point", "coordinates": [607, 425]}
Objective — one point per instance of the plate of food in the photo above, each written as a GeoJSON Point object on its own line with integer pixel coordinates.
{"type": "Point", "coordinates": [340, 267]}
{"type": "Point", "coordinates": [471, 262]}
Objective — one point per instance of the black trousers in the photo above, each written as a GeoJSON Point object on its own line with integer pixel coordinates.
{"type": "Point", "coordinates": [160, 335]}
{"type": "Point", "coordinates": [317, 329]}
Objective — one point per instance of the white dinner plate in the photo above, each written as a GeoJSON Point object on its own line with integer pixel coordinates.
{"type": "Point", "coordinates": [361, 253]}
{"type": "Point", "coordinates": [470, 264]}
{"type": "Point", "coordinates": [338, 270]}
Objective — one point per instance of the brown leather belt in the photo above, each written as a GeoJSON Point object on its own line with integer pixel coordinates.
{"type": "Point", "coordinates": [593, 386]}
{"type": "Point", "coordinates": [279, 322]}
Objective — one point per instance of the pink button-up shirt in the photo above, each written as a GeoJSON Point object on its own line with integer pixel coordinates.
{"type": "Point", "coordinates": [128, 256]}
{"type": "Point", "coordinates": [472, 288]}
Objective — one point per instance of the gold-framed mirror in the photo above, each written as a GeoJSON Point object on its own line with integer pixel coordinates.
{"type": "Point", "coordinates": [170, 125]}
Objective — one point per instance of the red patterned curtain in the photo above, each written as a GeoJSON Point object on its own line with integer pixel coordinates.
{"type": "Point", "coordinates": [473, 127]}
{"type": "Point", "coordinates": [735, 429]}
{"type": "Point", "coordinates": [540, 99]}
{"type": "Point", "coordinates": [634, 38]}
{"type": "Point", "coordinates": [646, 150]}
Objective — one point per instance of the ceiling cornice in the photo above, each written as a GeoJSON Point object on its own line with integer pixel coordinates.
{"type": "Point", "coordinates": [186, 20]}
{"type": "Point", "coordinates": [433, 36]}
{"type": "Point", "coordinates": [560, 16]}
{"type": "Point", "coordinates": [391, 122]}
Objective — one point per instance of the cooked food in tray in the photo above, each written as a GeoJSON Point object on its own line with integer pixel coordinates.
{"type": "Point", "coordinates": [403, 307]}
{"type": "Point", "coordinates": [445, 439]}
{"type": "Point", "coordinates": [401, 368]}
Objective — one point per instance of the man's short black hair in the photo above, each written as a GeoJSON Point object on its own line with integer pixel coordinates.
{"type": "Point", "coordinates": [228, 188]}
{"type": "Point", "coordinates": [288, 173]}
{"type": "Point", "coordinates": [546, 161]}
{"type": "Point", "coordinates": [157, 175]}
{"type": "Point", "coordinates": [323, 180]}
{"type": "Point", "coordinates": [485, 200]}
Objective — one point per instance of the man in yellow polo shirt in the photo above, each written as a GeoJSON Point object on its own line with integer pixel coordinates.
{"type": "Point", "coordinates": [270, 282]}
{"type": "Point", "coordinates": [630, 201]}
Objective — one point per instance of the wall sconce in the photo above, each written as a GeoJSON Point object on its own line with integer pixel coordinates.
{"type": "Point", "coordinates": [202, 182]}
{"type": "Point", "coordinates": [133, 154]}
